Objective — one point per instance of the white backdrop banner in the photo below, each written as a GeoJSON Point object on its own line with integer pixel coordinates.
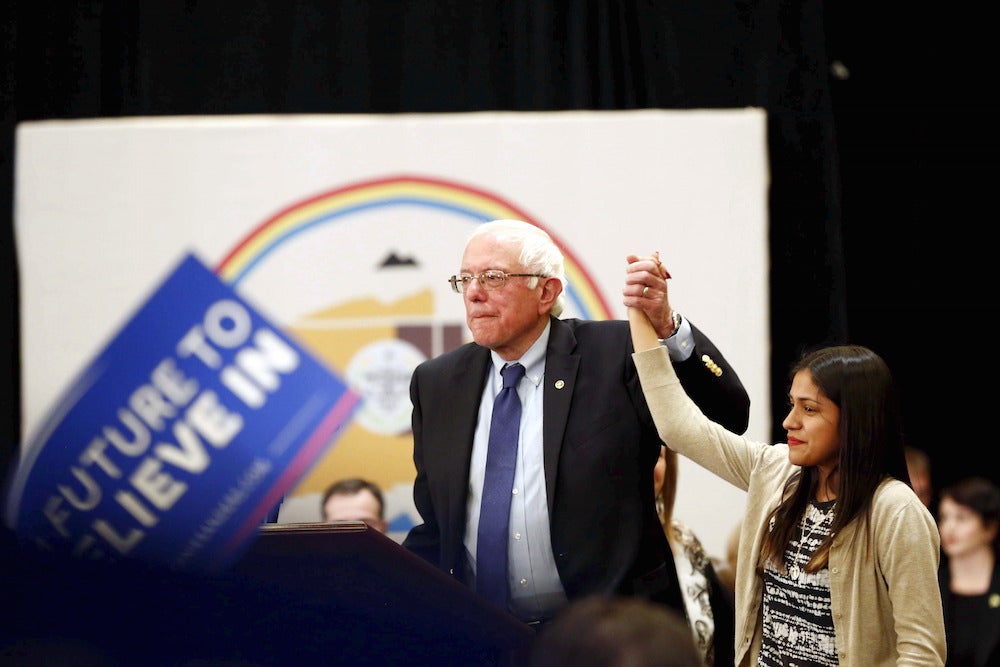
{"type": "Point", "coordinates": [343, 229]}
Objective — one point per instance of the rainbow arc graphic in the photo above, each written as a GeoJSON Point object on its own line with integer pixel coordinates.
{"type": "Point", "coordinates": [338, 204]}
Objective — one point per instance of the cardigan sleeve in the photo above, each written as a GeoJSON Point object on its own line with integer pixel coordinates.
{"type": "Point", "coordinates": [909, 551]}
{"type": "Point", "coordinates": [684, 427]}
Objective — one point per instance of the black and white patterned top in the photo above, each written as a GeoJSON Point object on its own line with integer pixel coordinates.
{"type": "Point", "coordinates": [798, 625]}
{"type": "Point", "coordinates": [692, 564]}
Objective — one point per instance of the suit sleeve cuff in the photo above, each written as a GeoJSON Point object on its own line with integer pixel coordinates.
{"type": "Point", "coordinates": [680, 345]}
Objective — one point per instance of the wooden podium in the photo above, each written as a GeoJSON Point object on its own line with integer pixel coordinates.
{"type": "Point", "coordinates": [385, 604]}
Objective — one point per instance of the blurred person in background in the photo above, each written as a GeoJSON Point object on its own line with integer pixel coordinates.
{"type": "Point", "coordinates": [918, 464]}
{"type": "Point", "coordinates": [969, 521]}
{"type": "Point", "coordinates": [708, 603]}
{"type": "Point", "coordinates": [355, 499]}
{"type": "Point", "coordinates": [615, 631]}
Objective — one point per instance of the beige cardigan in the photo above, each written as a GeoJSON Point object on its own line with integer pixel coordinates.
{"type": "Point", "coordinates": [886, 606]}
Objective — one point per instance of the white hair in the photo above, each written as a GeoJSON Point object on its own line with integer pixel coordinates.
{"type": "Point", "coordinates": [538, 252]}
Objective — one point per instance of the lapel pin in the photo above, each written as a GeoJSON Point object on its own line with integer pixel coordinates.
{"type": "Point", "coordinates": [560, 384]}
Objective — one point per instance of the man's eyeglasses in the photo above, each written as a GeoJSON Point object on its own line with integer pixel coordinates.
{"type": "Point", "coordinates": [492, 279]}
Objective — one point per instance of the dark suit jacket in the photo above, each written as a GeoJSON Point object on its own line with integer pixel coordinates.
{"type": "Point", "coordinates": [599, 443]}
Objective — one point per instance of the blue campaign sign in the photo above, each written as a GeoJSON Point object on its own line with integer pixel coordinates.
{"type": "Point", "coordinates": [176, 441]}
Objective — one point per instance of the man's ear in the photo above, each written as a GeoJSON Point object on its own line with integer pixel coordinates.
{"type": "Point", "coordinates": [550, 292]}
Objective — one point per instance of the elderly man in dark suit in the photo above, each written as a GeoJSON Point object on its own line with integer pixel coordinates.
{"type": "Point", "coordinates": [582, 518]}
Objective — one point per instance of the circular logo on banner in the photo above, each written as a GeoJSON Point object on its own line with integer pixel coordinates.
{"type": "Point", "coordinates": [380, 372]}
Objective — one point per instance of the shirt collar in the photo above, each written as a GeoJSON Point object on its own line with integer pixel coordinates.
{"type": "Point", "coordinates": [533, 359]}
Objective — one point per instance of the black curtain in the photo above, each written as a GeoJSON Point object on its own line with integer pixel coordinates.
{"type": "Point", "coordinates": [118, 58]}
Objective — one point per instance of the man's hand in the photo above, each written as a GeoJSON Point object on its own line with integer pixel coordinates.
{"type": "Point", "coordinates": [646, 289]}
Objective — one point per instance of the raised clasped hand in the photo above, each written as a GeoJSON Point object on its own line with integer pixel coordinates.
{"type": "Point", "coordinates": [646, 289]}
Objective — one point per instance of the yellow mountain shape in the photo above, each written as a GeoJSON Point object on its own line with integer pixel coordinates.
{"type": "Point", "coordinates": [421, 303]}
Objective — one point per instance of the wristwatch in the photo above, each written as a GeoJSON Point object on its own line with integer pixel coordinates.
{"type": "Point", "coordinates": [676, 317]}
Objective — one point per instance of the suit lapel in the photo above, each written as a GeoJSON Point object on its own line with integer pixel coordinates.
{"type": "Point", "coordinates": [561, 366]}
{"type": "Point", "coordinates": [467, 382]}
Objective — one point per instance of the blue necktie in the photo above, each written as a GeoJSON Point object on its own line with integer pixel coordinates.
{"type": "Point", "coordinates": [494, 514]}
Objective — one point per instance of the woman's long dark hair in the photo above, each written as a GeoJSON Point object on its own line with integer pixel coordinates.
{"type": "Point", "coordinates": [870, 434]}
